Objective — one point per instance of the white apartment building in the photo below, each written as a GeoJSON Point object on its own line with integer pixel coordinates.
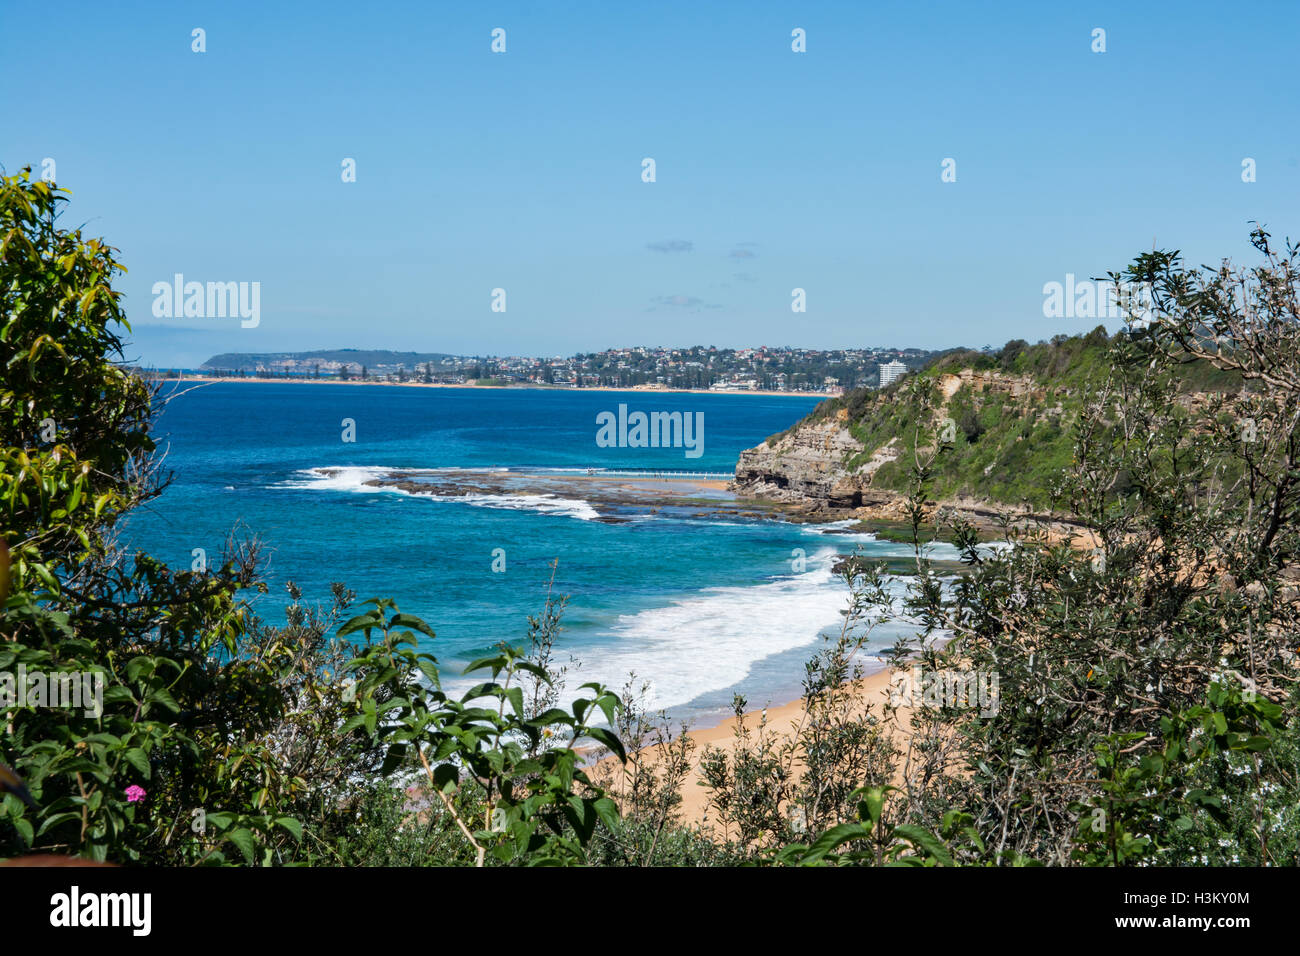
{"type": "Point", "coordinates": [891, 372]}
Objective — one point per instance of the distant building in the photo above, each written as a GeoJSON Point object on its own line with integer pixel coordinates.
{"type": "Point", "coordinates": [891, 372]}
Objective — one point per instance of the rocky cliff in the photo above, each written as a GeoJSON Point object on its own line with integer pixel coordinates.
{"type": "Point", "coordinates": [851, 456]}
{"type": "Point", "coordinates": [1005, 421]}
{"type": "Point", "coordinates": [807, 463]}
{"type": "Point", "coordinates": [810, 469]}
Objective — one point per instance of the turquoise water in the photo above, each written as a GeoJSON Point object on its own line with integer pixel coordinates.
{"type": "Point", "coordinates": [699, 607]}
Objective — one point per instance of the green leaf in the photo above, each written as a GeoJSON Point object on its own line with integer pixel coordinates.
{"type": "Point", "coordinates": [411, 621]}
{"type": "Point", "coordinates": [368, 621]}
{"type": "Point", "coordinates": [163, 696]}
{"type": "Point", "coordinates": [429, 669]}
{"type": "Point", "coordinates": [552, 716]}
{"type": "Point", "coordinates": [55, 819]}
{"type": "Point", "coordinates": [138, 759]}
{"type": "Point", "coordinates": [516, 697]}
{"type": "Point", "coordinates": [496, 664]}
{"type": "Point", "coordinates": [609, 740]}
{"type": "Point", "coordinates": [352, 723]}
{"type": "Point", "coordinates": [393, 759]}
{"type": "Point", "coordinates": [607, 810]}
{"type": "Point", "coordinates": [834, 838]}
{"type": "Point", "coordinates": [446, 777]}
{"type": "Point", "coordinates": [926, 841]}
{"type": "Point", "coordinates": [242, 838]}
{"type": "Point", "coordinates": [536, 670]}
{"type": "Point", "coordinates": [873, 802]}
{"type": "Point", "coordinates": [609, 704]}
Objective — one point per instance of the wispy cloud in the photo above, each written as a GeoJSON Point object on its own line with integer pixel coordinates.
{"type": "Point", "coordinates": [678, 301]}
{"type": "Point", "coordinates": [684, 303]}
{"type": "Point", "coordinates": [671, 245]}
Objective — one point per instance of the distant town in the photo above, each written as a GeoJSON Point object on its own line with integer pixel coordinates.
{"type": "Point", "coordinates": [697, 368]}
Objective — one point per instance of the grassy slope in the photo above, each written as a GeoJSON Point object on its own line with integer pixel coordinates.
{"type": "Point", "coordinates": [1007, 450]}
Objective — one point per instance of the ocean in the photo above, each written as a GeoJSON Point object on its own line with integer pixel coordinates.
{"type": "Point", "coordinates": [699, 606]}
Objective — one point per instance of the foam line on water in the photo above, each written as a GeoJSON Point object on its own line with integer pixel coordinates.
{"type": "Point", "coordinates": [354, 478]}
{"type": "Point", "coordinates": [542, 504]}
{"type": "Point", "coordinates": [711, 640]}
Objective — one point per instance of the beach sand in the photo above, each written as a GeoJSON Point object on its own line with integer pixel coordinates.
{"type": "Point", "coordinates": [783, 720]}
{"type": "Point", "coordinates": [871, 691]}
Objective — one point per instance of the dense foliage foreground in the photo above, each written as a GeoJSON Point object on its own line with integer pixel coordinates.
{"type": "Point", "coordinates": [1145, 708]}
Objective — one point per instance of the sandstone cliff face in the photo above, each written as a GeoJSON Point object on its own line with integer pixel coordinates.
{"type": "Point", "coordinates": [810, 465]}
{"type": "Point", "coordinates": [1016, 386]}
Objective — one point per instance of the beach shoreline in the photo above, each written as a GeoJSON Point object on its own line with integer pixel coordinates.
{"type": "Point", "coordinates": [634, 390]}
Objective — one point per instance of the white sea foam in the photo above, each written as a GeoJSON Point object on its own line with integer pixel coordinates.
{"type": "Point", "coordinates": [836, 528]}
{"type": "Point", "coordinates": [350, 478]}
{"type": "Point", "coordinates": [354, 478]}
{"type": "Point", "coordinates": [881, 548]}
{"type": "Point", "coordinates": [711, 640]}
{"type": "Point", "coordinates": [544, 504]}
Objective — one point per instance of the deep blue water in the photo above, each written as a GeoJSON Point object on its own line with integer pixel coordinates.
{"type": "Point", "coordinates": [698, 607]}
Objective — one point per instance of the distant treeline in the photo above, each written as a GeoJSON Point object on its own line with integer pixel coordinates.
{"type": "Point", "coordinates": [251, 361]}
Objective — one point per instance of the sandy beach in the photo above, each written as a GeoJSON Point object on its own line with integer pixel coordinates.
{"type": "Point", "coordinates": [783, 720]}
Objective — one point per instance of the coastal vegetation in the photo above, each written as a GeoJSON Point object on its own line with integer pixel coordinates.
{"type": "Point", "coordinates": [1012, 416]}
{"type": "Point", "coordinates": [1146, 699]}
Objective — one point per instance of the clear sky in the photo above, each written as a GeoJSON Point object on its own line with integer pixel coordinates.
{"type": "Point", "coordinates": [774, 169]}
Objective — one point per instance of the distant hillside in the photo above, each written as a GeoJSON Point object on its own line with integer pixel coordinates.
{"type": "Point", "coordinates": [371, 358]}
{"type": "Point", "coordinates": [1011, 413]}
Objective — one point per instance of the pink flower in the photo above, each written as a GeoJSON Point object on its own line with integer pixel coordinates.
{"type": "Point", "coordinates": [134, 794]}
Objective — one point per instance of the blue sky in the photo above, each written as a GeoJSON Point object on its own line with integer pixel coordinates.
{"type": "Point", "coordinates": [775, 170]}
